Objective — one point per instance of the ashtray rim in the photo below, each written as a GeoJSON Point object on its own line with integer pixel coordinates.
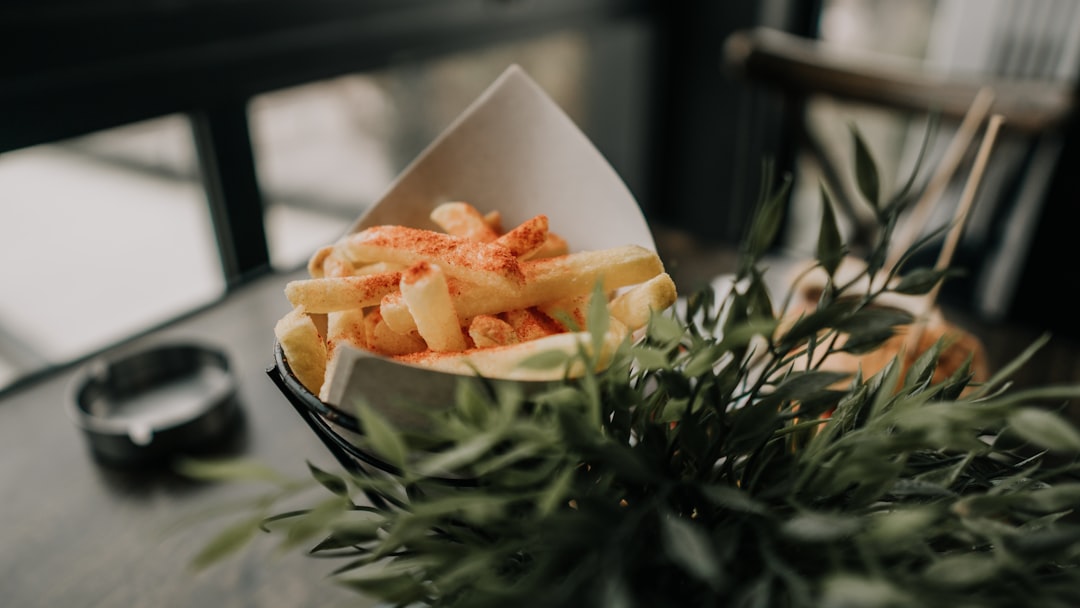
{"type": "Point", "coordinates": [117, 440]}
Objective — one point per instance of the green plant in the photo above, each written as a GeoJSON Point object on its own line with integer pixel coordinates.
{"type": "Point", "coordinates": [697, 470]}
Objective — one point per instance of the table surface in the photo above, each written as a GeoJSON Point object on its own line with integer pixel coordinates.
{"type": "Point", "coordinates": [76, 533]}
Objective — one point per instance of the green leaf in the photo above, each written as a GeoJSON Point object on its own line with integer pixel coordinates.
{"type": "Point", "coordinates": [476, 510]}
{"type": "Point", "coordinates": [920, 281]}
{"type": "Point", "coordinates": [665, 330]}
{"type": "Point", "coordinates": [630, 465]}
{"type": "Point", "coordinates": [830, 246]}
{"type": "Point", "coordinates": [813, 323]}
{"type": "Point", "coordinates": [767, 221]}
{"type": "Point", "coordinates": [395, 582]}
{"type": "Point", "coordinates": [674, 410]}
{"type": "Point", "coordinates": [471, 570]}
{"type": "Point", "coordinates": [229, 469]}
{"type": "Point", "coordinates": [896, 530]}
{"type": "Point", "coordinates": [557, 492]}
{"type": "Point", "coordinates": [922, 369]}
{"type": "Point", "coordinates": [316, 522]}
{"type": "Point", "coordinates": [615, 594]}
{"type": "Point", "coordinates": [457, 456]}
{"type": "Point", "coordinates": [549, 359]}
{"type": "Point", "coordinates": [353, 528]}
{"type": "Point", "coordinates": [687, 545]}
{"type": "Point", "coordinates": [1044, 543]}
{"type": "Point", "coordinates": [902, 195]}
{"type": "Point", "coordinates": [1044, 501]}
{"type": "Point", "coordinates": [920, 487]}
{"type": "Point", "coordinates": [383, 437]}
{"type": "Point", "coordinates": [848, 590]}
{"type": "Point", "coordinates": [650, 358]}
{"type": "Point", "coordinates": [472, 403]}
{"type": "Point", "coordinates": [984, 505]}
{"type": "Point", "coordinates": [734, 499]}
{"type": "Point", "coordinates": [866, 172]}
{"type": "Point", "coordinates": [874, 319]}
{"type": "Point", "coordinates": [1045, 429]}
{"type": "Point", "coordinates": [759, 306]}
{"type": "Point", "coordinates": [1054, 499]}
{"type": "Point", "coordinates": [800, 385]}
{"type": "Point", "coordinates": [742, 335]}
{"type": "Point", "coordinates": [843, 419]}
{"type": "Point", "coordinates": [597, 318]}
{"type": "Point", "coordinates": [328, 480]}
{"type": "Point", "coordinates": [884, 382]}
{"type": "Point", "coordinates": [751, 426]}
{"type": "Point", "coordinates": [814, 527]}
{"type": "Point", "coordinates": [962, 571]}
{"type": "Point", "coordinates": [702, 361]}
{"type": "Point", "coordinates": [230, 540]}
{"type": "Point", "coordinates": [866, 340]}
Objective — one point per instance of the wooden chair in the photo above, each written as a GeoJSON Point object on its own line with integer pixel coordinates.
{"type": "Point", "coordinates": [1020, 265]}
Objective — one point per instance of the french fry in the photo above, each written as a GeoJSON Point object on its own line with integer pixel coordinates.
{"type": "Point", "coordinates": [527, 237]}
{"type": "Point", "coordinates": [425, 292]}
{"type": "Point", "coordinates": [377, 268]}
{"type": "Point", "coordinates": [385, 341]}
{"type": "Point", "coordinates": [320, 321]}
{"type": "Point", "coordinates": [545, 280]}
{"type": "Point", "coordinates": [459, 258]}
{"type": "Point", "coordinates": [634, 306]}
{"type": "Point", "coordinates": [488, 330]}
{"type": "Point", "coordinates": [303, 347]}
{"type": "Point", "coordinates": [531, 324]}
{"type": "Point", "coordinates": [554, 245]}
{"type": "Point", "coordinates": [473, 299]}
{"type": "Point", "coordinates": [462, 219]}
{"type": "Point", "coordinates": [342, 326]}
{"type": "Point", "coordinates": [337, 265]}
{"type": "Point", "coordinates": [507, 361]}
{"type": "Point", "coordinates": [315, 262]}
{"type": "Point", "coordinates": [346, 327]}
{"type": "Point", "coordinates": [329, 261]}
{"type": "Point", "coordinates": [329, 294]}
{"type": "Point", "coordinates": [570, 312]}
{"type": "Point", "coordinates": [494, 220]}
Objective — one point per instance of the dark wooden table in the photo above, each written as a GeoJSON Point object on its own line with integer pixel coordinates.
{"type": "Point", "coordinates": [75, 533]}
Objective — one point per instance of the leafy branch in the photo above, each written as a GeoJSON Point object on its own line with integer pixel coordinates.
{"type": "Point", "coordinates": [704, 466]}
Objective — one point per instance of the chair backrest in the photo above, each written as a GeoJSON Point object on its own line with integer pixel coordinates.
{"type": "Point", "coordinates": [1018, 42]}
{"type": "Point", "coordinates": [1028, 54]}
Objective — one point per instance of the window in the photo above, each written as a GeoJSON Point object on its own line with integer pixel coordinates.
{"type": "Point", "coordinates": [105, 236]}
{"type": "Point", "coordinates": [101, 238]}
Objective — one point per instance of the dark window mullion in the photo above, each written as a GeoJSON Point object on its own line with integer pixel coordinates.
{"type": "Point", "coordinates": [227, 165]}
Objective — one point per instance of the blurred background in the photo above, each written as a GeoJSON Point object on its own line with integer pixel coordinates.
{"type": "Point", "coordinates": [157, 156]}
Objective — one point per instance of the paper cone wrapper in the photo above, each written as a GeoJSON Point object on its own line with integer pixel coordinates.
{"type": "Point", "coordinates": [512, 150]}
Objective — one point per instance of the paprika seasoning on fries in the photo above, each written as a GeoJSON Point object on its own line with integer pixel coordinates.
{"type": "Point", "coordinates": [472, 298]}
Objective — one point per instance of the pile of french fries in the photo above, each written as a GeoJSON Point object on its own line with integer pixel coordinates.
{"type": "Point", "coordinates": [469, 299]}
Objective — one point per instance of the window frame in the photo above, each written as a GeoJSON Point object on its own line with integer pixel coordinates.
{"type": "Point", "coordinates": [85, 68]}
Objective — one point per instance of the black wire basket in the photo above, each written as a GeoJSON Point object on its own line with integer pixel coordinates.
{"type": "Point", "coordinates": [343, 434]}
